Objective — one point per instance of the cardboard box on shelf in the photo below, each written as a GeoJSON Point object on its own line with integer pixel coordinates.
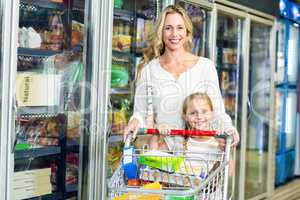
{"type": "Point", "coordinates": [31, 183]}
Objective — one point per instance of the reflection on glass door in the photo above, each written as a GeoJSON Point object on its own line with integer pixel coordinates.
{"type": "Point", "coordinates": [230, 68]}
{"type": "Point", "coordinates": [50, 71]}
{"type": "Point", "coordinates": [201, 20]}
{"type": "Point", "coordinates": [132, 22]}
{"type": "Point", "coordinates": [229, 45]}
{"type": "Point", "coordinates": [259, 111]}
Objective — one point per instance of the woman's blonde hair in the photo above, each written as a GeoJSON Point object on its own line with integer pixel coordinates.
{"type": "Point", "coordinates": [156, 45]}
{"type": "Point", "coordinates": [193, 96]}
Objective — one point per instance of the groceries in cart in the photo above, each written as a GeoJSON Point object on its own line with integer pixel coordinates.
{"type": "Point", "coordinates": [196, 170]}
{"type": "Point", "coordinates": [180, 175]}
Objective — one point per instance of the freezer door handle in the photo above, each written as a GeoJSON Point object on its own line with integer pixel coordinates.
{"type": "Point", "coordinates": [249, 108]}
{"type": "Point", "coordinates": [13, 134]}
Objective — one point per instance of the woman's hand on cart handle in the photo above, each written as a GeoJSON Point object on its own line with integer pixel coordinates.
{"type": "Point", "coordinates": [131, 128]}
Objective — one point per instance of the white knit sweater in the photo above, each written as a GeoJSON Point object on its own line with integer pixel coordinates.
{"type": "Point", "coordinates": [169, 94]}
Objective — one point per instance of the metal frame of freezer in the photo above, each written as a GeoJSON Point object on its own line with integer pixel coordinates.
{"type": "Point", "coordinates": [8, 64]}
{"type": "Point", "coordinates": [100, 84]}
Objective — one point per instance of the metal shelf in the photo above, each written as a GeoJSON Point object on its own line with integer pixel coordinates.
{"type": "Point", "coordinates": [72, 188]}
{"type": "Point", "coordinates": [228, 93]}
{"type": "Point", "coordinates": [125, 15]}
{"type": "Point", "coordinates": [227, 67]}
{"type": "Point", "coordinates": [36, 52]}
{"type": "Point", "coordinates": [115, 138]}
{"type": "Point", "coordinates": [37, 152]}
{"type": "Point", "coordinates": [42, 4]}
{"type": "Point", "coordinates": [53, 196]}
{"type": "Point", "coordinates": [288, 85]}
{"type": "Point", "coordinates": [39, 111]}
{"type": "Point", "coordinates": [120, 91]}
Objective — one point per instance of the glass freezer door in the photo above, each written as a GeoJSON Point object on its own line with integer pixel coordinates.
{"type": "Point", "coordinates": [229, 65]}
{"type": "Point", "coordinates": [259, 95]}
{"type": "Point", "coordinates": [201, 19]}
{"type": "Point", "coordinates": [51, 69]}
{"type": "Point", "coordinates": [132, 23]}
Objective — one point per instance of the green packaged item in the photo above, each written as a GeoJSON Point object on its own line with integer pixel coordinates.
{"type": "Point", "coordinates": [22, 146]}
{"type": "Point", "coordinates": [118, 3]}
{"type": "Point", "coordinates": [161, 160]}
{"type": "Point", "coordinates": [119, 76]}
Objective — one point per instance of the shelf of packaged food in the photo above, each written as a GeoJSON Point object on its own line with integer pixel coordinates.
{"type": "Point", "coordinates": [39, 111]}
{"type": "Point", "coordinates": [72, 188]}
{"type": "Point", "coordinates": [125, 15]}
{"type": "Point", "coordinates": [120, 91]}
{"type": "Point", "coordinates": [128, 15]}
{"type": "Point", "coordinates": [53, 196]}
{"type": "Point", "coordinates": [36, 52]}
{"type": "Point", "coordinates": [57, 5]}
{"type": "Point", "coordinates": [37, 152]}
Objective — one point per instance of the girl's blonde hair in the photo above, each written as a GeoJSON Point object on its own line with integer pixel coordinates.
{"type": "Point", "coordinates": [197, 95]}
{"type": "Point", "coordinates": [156, 45]}
{"type": "Point", "coordinates": [190, 98]}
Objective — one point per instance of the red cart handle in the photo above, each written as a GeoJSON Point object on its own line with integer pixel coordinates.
{"type": "Point", "coordinates": [180, 132]}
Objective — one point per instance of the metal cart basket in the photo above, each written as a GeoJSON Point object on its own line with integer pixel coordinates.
{"type": "Point", "coordinates": [181, 175]}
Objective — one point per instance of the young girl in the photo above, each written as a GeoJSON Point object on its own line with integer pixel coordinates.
{"type": "Point", "coordinates": [197, 113]}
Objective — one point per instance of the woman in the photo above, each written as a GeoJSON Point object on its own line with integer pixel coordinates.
{"type": "Point", "coordinates": [173, 73]}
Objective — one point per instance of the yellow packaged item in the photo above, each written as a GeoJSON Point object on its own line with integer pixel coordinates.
{"type": "Point", "coordinates": [133, 196]}
{"type": "Point", "coordinates": [118, 120]}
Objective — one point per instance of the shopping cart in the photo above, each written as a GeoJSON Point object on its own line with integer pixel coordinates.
{"type": "Point", "coordinates": [172, 175]}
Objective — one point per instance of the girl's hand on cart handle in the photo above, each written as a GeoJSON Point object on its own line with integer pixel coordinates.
{"type": "Point", "coordinates": [132, 127]}
{"type": "Point", "coordinates": [229, 131]}
{"type": "Point", "coordinates": [235, 136]}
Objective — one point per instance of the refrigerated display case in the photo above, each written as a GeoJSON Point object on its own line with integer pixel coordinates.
{"type": "Point", "coordinates": [229, 60]}
{"type": "Point", "coordinates": [259, 124]}
{"type": "Point", "coordinates": [286, 83]}
{"type": "Point", "coordinates": [132, 24]}
{"type": "Point", "coordinates": [230, 57]}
